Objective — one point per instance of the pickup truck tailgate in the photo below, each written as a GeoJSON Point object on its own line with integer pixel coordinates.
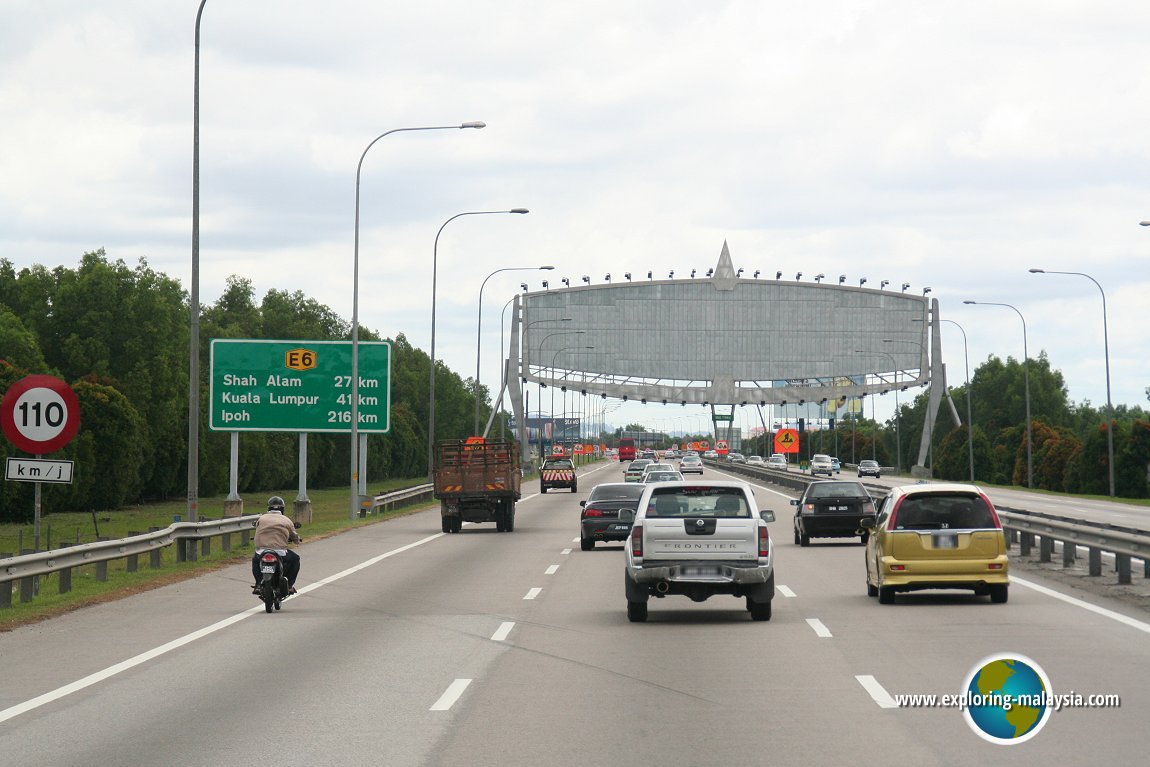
{"type": "Point", "coordinates": [700, 538]}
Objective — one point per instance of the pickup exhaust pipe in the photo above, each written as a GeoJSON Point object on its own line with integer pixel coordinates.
{"type": "Point", "coordinates": [662, 587]}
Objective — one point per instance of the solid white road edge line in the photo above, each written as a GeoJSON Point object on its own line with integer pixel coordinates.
{"type": "Point", "coordinates": [785, 591]}
{"type": "Point", "coordinates": [503, 630]}
{"type": "Point", "coordinates": [820, 630]}
{"type": "Point", "coordinates": [450, 695]}
{"type": "Point", "coordinates": [876, 691]}
{"type": "Point", "coordinates": [533, 593]}
{"type": "Point", "coordinates": [1126, 619]}
{"type": "Point", "coordinates": [99, 676]}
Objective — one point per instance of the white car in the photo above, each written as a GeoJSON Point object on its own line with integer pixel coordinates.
{"type": "Point", "coordinates": [691, 464]}
{"type": "Point", "coordinates": [822, 464]}
{"type": "Point", "coordinates": [755, 460]}
{"type": "Point", "coordinates": [776, 462]}
{"type": "Point", "coordinates": [699, 539]}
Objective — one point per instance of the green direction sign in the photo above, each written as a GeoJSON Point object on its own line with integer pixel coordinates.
{"type": "Point", "coordinates": [298, 386]}
{"type": "Point", "coordinates": [723, 417]}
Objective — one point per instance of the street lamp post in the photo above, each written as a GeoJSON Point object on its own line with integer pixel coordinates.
{"type": "Point", "coordinates": [479, 323]}
{"type": "Point", "coordinates": [542, 367]}
{"type": "Point", "coordinates": [194, 350]}
{"type": "Point", "coordinates": [928, 425]}
{"type": "Point", "coordinates": [552, 408]}
{"type": "Point", "coordinates": [1106, 352]}
{"type": "Point", "coordinates": [355, 309]}
{"type": "Point", "coordinates": [434, 277]}
{"type": "Point", "coordinates": [1026, 384]}
{"type": "Point", "coordinates": [897, 415]}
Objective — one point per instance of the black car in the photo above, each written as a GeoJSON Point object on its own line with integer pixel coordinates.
{"type": "Point", "coordinates": [870, 469]}
{"type": "Point", "coordinates": [832, 509]}
{"type": "Point", "coordinates": [608, 513]}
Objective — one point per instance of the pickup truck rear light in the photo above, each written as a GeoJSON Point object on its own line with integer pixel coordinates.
{"type": "Point", "coordinates": [995, 566]}
{"type": "Point", "coordinates": [637, 541]}
{"type": "Point", "coordinates": [764, 543]}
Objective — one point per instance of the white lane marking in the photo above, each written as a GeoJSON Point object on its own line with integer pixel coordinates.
{"type": "Point", "coordinates": [503, 630]}
{"type": "Point", "coordinates": [565, 551]}
{"type": "Point", "coordinates": [533, 593]}
{"type": "Point", "coordinates": [820, 629]}
{"type": "Point", "coordinates": [574, 540]}
{"type": "Point", "coordinates": [1126, 619]}
{"type": "Point", "coordinates": [785, 591]}
{"type": "Point", "coordinates": [99, 676]}
{"type": "Point", "coordinates": [877, 691]}
{"type": "Point", "coordinates": [551, 570]}
{"type": "Point", "coordinates": [450, 695]}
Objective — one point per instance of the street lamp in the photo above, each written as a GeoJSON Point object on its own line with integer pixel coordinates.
{"type": "Point", "coordinates": [928, 424]}
{"type": "Point", "coordinates": [897, 415]}
{"type": "Point", "coordinates": [1106, 351]}
{"type": "Point", "coordinates": [434, 277]}
{"type": "Point", "coordinates": [194, 345]}
{"type": "Point", "coordinates": [1026, 383]}
{"type": "Point", "coordinates": [355, 309]}
{"type": "Point", "coordinates": [552, 409]}
{"type": "Point", "coordinates": [479, 327]}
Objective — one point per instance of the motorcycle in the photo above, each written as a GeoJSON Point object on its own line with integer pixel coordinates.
{"type": "Point", "coordinates": [273, 586]}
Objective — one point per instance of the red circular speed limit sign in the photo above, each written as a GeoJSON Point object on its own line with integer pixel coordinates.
{"type": "Point", "coordinates": [40, 414]}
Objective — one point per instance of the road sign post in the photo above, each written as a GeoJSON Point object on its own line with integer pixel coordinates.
{"type": "Point", "coordinates": [40, 414]}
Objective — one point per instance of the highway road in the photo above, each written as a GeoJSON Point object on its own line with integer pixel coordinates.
{"type": "Point", "coordinates": [410, 647]}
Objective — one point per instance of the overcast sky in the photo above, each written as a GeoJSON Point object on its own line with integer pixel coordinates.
{"type": "Point", "coordinates": [946, 144]}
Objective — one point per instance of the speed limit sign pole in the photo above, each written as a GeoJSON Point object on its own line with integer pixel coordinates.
{"type": "Point", "coordinates": [40, 414]}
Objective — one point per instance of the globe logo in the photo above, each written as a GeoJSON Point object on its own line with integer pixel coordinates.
{"type": "Point", "coordinates": [1008, 698]}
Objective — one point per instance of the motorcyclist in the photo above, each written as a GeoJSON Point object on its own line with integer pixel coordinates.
{"type": "Point", "coordinates": [275, 531]}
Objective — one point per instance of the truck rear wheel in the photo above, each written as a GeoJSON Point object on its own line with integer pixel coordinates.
{"type": "Point", "coordinates": [456, 524]}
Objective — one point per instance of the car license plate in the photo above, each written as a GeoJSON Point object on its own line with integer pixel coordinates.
{"type": "Point", "coordinates": [838, 508]}
{"type": "Point", "coordinates": [620, 527]}
{"type": "Point", "coordinates": [944, 541]}
{"type": "Point", "coordinates": [267, 568]}
{"type": "Point", "coordinates": [701, 570]}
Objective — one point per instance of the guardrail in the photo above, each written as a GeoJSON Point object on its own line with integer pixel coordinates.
{"type": "Point", "coordinates": [1125, 543]}
{"type": "Point", "coordinates": [192, 539]}
{"type": "Point", "coordinates": [388, 501]}
{"type": "Point", "coordinates": [186, 535]}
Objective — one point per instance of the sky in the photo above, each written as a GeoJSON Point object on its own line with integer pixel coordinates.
{"type": "Point", "coordinates": [949, 145]}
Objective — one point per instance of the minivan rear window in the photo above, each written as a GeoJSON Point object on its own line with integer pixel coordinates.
{"type": "Point", "coordinates": [943, 511]}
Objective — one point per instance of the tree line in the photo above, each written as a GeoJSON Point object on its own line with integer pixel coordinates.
{"type": "Point", "coordinates": [1069, 454]}
{"type": "Point", "coordinates": [120, 337]}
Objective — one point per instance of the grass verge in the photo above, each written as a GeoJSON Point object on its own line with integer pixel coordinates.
{"type": "Point", "coordinates": [330, 515]}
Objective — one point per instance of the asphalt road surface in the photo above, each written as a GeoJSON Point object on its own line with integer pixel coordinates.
{"type": "Point", "coordinates": [406, 646]}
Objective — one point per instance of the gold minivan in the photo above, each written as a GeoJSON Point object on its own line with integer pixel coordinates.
{"type": "Point", "coordinates": [936, 536]}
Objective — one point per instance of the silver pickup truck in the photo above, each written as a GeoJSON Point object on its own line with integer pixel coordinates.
{"type": "Point", "coordinates": [698, 539]}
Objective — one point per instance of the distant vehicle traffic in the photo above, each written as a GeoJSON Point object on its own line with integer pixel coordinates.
{"type": "Point", "coordinates": [662, 476]}
{"type": "Point", "coordinates": [691, 464]}
{"type": "Point", "coordinates": [832, 509]}
{"type": "Point", "coordinates": [626, 449]}
{"type": "Point", "coordinates": [755, 460]}
{"type": "Point", "coordinates": [821, 464]}
{"type": "Point", "coordinates": [607, 513]}
{"type": "Point", "coordinates": [634, 470]}
{"type": "Point", "coordinates": [869, 468]}
{"type": "Point", "coordinates": [776, 462]}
